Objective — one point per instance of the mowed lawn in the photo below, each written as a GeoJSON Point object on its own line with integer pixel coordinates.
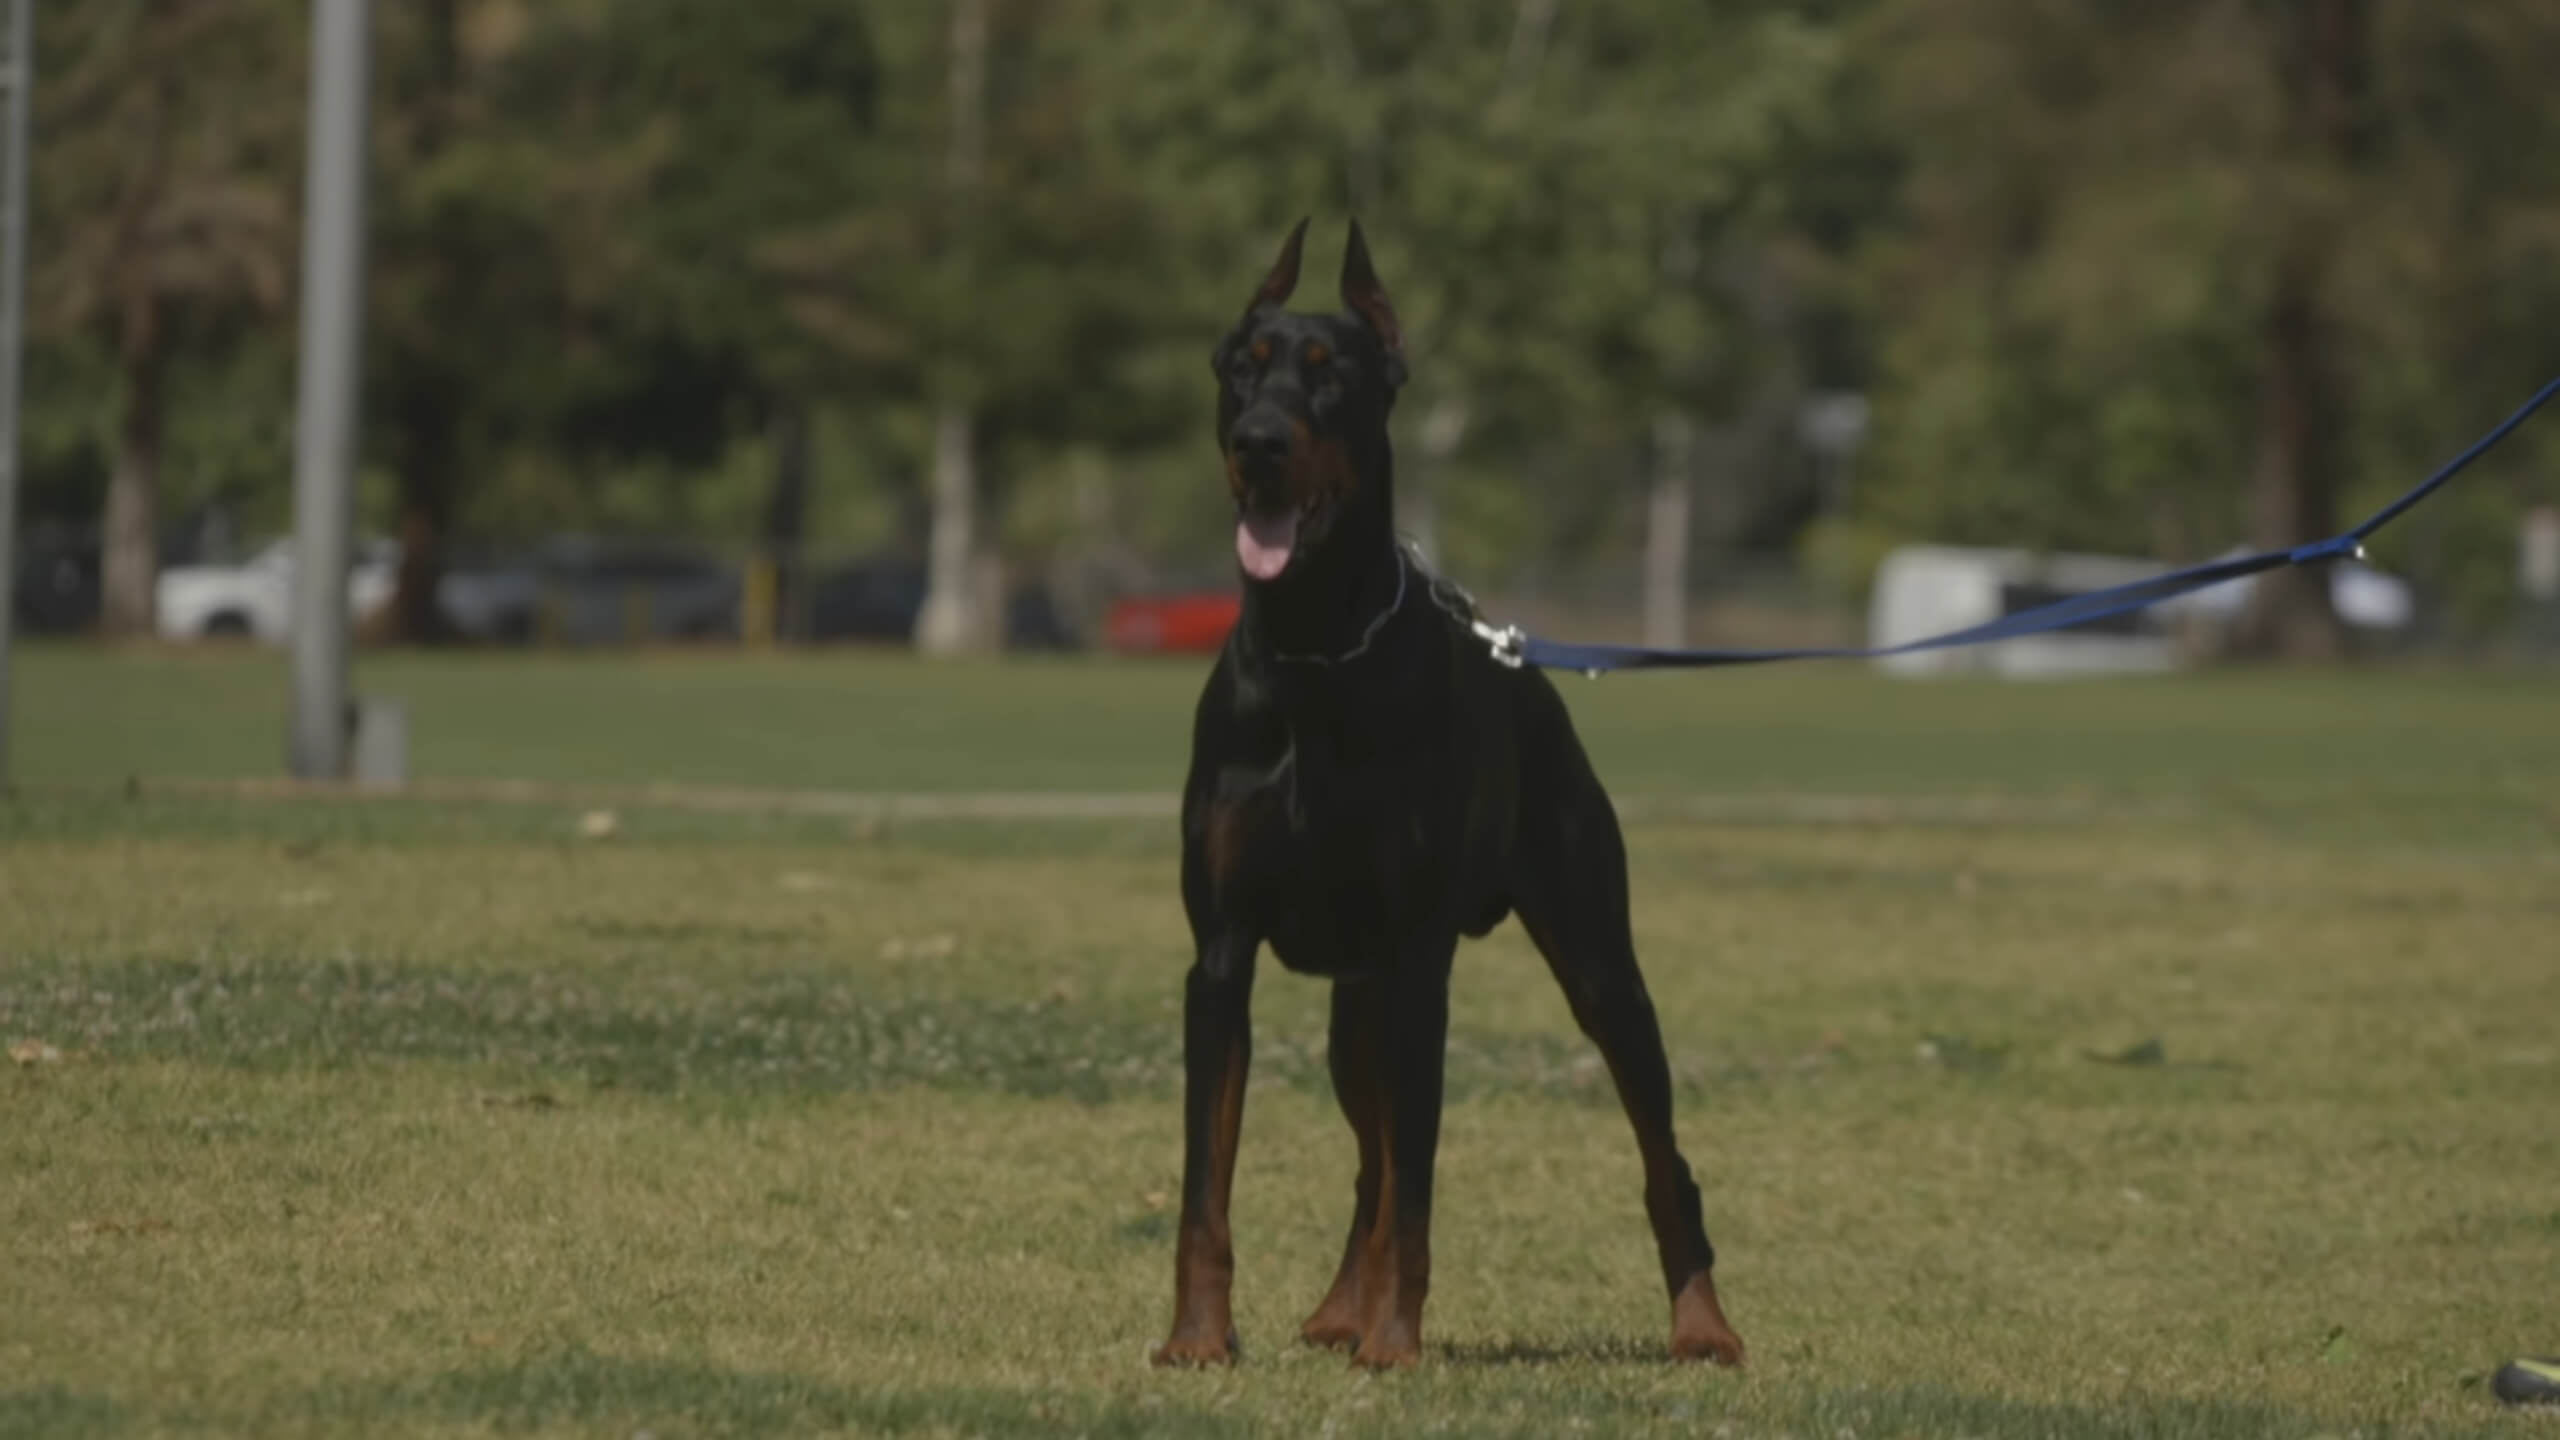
{"type": "Point", "coordinates": [2141, 1058]}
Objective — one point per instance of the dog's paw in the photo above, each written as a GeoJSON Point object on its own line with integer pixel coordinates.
{"type": "Point", "coordinates": [1699, 1330]}
{"type": "Point", "coordinates": [1330, 1334]}
{"type": "Point", "coordinates": [1386, 1357]}
{"type": "Point", "coordinates": [1192, 1352]}
{"type": "Point", "coordinates": [1335, 1325]}
{"type": "Point", "coordinates": [1720, 1346]}
{"type": "Point", "coordinates": [1388, 1347]}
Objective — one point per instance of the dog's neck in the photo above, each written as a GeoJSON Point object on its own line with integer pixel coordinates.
{"type": "Point", "coordinates": [1326, 602]}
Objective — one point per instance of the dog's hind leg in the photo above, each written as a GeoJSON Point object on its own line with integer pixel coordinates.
{"type": "Point", "coordinates": [1570, 891]}
{"type": "Point", "coordinates": [1352, 1047]}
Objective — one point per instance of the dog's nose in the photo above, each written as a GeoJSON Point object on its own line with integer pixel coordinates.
{"type": "Point", "coordinates": [1260, 441]}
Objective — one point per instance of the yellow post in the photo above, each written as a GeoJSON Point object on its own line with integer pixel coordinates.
{"type": "Point", "coordinates": [761, 605]}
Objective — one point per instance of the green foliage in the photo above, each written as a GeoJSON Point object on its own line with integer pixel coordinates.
{"type": "Point", "coordinates": [159, 244]}
{"type": "Point", "coordinates": [159, 179]}
{"type": "Point", "coordinates": [1558, 198]}
{"type": "Point", "coordinates": [2073, 286]}
{"type": "Point", "coordinates": [615, 240]}
{"type": "Point", "coordinates": [611, 239]}
{"type": "Point", "coordinates": [1841, 554]}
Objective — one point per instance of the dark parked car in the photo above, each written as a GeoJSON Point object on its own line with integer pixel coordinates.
{"type": "Point", "coordinates": [488, 597]}
{"type": "Point", "coordinates": [605, 590]}
{"type": "Point", "coordinates": [875, 600]}
{"type": "Point", "coordinates": [878, 600]}
{"type": "Point", "coordinates": [56, 587]}
{"type": "Point", "coordinates": [582, 591]}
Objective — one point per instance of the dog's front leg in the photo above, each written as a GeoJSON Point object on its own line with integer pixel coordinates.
{"type": "Point", "coordinates": [1217, 1049]}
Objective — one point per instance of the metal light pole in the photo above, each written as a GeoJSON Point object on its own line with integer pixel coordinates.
{"type": "Point", "coordinates": [21, 80]}
{"type": "Point", "coordinates": [331, 365]}
{"type": "Point", "coordinates": [20, 77]}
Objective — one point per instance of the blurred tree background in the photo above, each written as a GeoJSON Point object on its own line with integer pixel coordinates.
{"type": "Point", "coordinates": [939, 278]}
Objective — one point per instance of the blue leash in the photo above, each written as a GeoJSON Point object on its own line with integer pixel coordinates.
{"type": "Point", "coordinates": [1516, 647]}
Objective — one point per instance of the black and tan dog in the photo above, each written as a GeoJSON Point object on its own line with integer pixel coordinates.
{"type": "Point", "coordinates": [1368, 783]}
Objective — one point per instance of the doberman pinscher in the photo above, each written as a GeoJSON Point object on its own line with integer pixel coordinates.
{"type": "Point", "coordinates": [1368, 783]}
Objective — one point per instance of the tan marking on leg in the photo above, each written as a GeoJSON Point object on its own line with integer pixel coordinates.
{"type": "Point", "coordinates": [1699, 1330]}
{"type": "Point", "coordinates": [1204, 1255]}
{"type": "Point", "coordinates": [1223, 843]}
{"type": "Point", "coordinates": [1391, 1283]}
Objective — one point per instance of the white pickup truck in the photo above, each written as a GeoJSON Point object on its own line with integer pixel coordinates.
{"type": "Point", "coordinates": [254, 599]}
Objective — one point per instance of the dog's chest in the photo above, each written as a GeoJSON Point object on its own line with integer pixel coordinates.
{"type": "Point", "coordinates": [1333, 859]}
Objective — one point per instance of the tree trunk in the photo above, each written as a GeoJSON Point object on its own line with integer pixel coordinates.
{"type": "Point", "coordinates": [413, 616]}
{"type": "Point", "coordinates": [951, 619]}
{"type": "Point", "coordinates": [2323, 65]}
{"type": "Point", "coordinates": [1666, 537]}
{"type": "Point", "coordinates": [2293, 495]}
{"type": "Point", "coordinates": [1670, 499]}
{"type": "Point", "coordinates": [1531, 22]}
{"type": "Point", "coordinates": [786, 517]}
{"type": "Point", "coordinates": [131, 559]}
{"type": "Point", "coordinates": [1444, 429]}
{"type": "Point", "coordinates": [428, 471]}
{"type": "Point", "coordinates": [950, 622]}
{"type": "Point", "coordinates": [431, 460]}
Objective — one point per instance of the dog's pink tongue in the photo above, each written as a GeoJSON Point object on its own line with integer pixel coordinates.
{"type": "Point", "coordinates": [1263, 542]}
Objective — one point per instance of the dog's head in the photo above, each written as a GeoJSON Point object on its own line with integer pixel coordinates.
{"type": "Point", "coordinates": [1302, 401]}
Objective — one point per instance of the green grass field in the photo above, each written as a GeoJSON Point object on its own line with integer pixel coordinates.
{"type": "Point", "coordinates": [2168, 1057]}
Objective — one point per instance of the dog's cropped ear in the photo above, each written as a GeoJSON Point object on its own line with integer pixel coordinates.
{"type": "Point", "coordinates": [1283, 279]}
{"type": "Point", "coordinates": [1368, 300]}
{"type": "Point", "coordinates": [1274, 290]}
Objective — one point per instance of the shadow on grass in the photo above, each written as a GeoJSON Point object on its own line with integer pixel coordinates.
{"type": "Point", "coordinates": [1558, 1384]}
{"type": "Point", "coordinates": [1935, 1410]}
{"type": "Point", "coordinates": [576, 1387]}
{"type": "Point", "coordinates": [579, 1387]}
{"type": "Point", "coordinates": [65, 813]}
{"type": "Point", "coordinates": [811, 1030]}
{"type": "Point", "coordinates": [1585, 1350]}
{"type": "Point", "coordinates": [53, 1411]}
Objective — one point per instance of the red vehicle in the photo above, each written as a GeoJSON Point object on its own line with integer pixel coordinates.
{"type": "Point", "coordinates": [1193, 623]}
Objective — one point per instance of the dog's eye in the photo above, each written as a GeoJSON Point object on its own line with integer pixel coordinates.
{"type": "Point", "coordinates": [1318, 356]}
{"type": "Point", "coordinates": [1261, 352]}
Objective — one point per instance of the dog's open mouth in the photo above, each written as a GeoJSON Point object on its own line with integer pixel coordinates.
{"type": "Point", "coordinates": [1266, 536]}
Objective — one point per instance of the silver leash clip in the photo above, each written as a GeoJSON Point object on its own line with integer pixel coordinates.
{"type": "Point", "coordinates": [1506, 642]}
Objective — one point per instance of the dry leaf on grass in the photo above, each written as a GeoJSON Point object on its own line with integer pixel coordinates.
{"type": "Point", "coordinates": [529, 1100]}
